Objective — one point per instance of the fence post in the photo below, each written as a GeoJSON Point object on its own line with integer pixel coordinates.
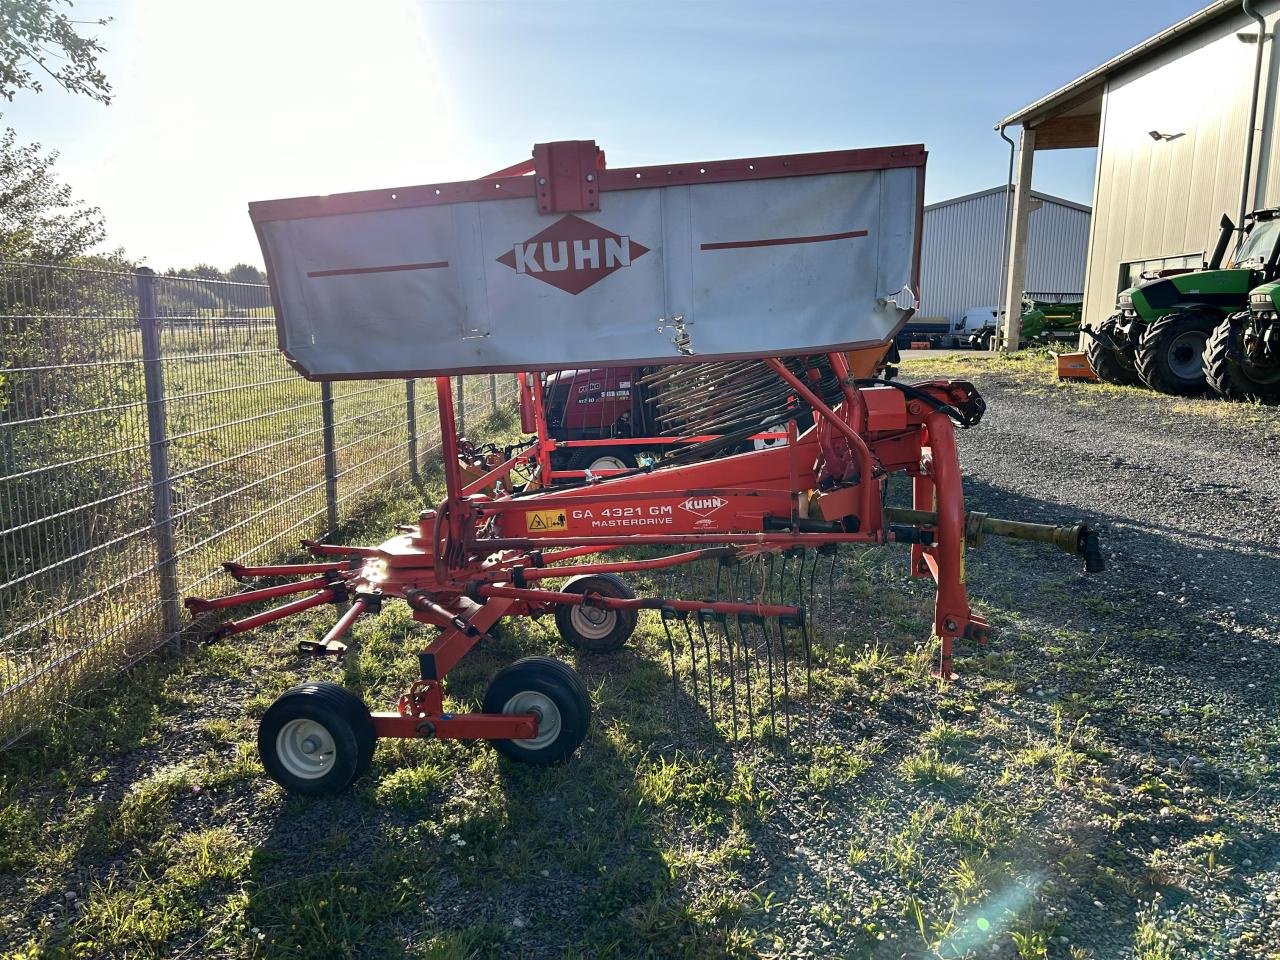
{"type": "Point", "coordinates": [158, 444]}
{"type": "Point", "coordinates": [411, 422]}
{"type": "Point", "coordinates": [461, 406]}
{"type": "Point", "coordinates": [330, 456]}
{"type": "Point", "coordinates": [493, 393]}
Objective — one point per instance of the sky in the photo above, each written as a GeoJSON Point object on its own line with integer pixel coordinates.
{"type": "Point", "coordinates": [216, 105]}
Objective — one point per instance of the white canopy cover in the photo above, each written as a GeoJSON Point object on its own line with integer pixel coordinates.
{"type": "Point", "coordinates": [765, 256]}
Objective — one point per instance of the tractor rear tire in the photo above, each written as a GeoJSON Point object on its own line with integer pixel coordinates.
{"type": "Point", "coordinates": [1110, 365]}
{"type": "Point", "coordinates": [1170, 356]}
{"type": "Point", "coordinates": [1233, 380]}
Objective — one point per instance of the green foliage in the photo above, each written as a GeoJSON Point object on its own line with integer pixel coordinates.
{"type": "Point", "coordinates": [246, 273]}
{"type": "Point", "coordinates": [34, 35]}
{"type": "Point", "coordinates": [40, 219]}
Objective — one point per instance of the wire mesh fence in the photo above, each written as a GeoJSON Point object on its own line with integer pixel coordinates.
{"type": "Point", "coordinates": [149, 430]}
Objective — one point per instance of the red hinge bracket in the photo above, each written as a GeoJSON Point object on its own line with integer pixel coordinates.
{"type": "Point", "coordinates": [567, 175]}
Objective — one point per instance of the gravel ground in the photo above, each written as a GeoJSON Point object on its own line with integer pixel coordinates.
{"type": "Point", "coordinates": [1180, 683]}
{"type": "Point", "coordinates": [1101, 782]}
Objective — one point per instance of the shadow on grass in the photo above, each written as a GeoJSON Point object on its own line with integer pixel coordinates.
{"type": "Point", "coordinates": [447, 850]}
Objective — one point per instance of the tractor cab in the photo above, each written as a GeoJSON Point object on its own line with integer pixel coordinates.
{"type": "Point", "coordinates": [1259, 249]}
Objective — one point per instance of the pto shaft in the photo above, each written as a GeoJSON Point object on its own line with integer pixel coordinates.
{"type": "Point", "coordinates": [1077, 539]}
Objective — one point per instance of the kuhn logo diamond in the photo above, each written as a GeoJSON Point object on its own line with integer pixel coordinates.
{"type": "Point", "coordinates": [703, 506]}
{"type": "Point", "coordinates": [572, 254]}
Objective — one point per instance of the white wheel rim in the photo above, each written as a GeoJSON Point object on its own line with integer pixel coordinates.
{"type": "Point", "coordinates": [765, 443]}
{"type": "Point", "coordinates": [306, 749]}
{"type": "Point", "coordinates": [545, 709]}
{"type": "Point", "coordinates": [592, 623]}
{"type": "Point", "coordinates": [607, 462]}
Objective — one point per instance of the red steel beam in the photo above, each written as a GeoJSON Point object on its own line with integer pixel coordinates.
{"type": "Point", "coordinates": [275, 613]}
{"type": "Point", "coordinates": [345, 622]}
{"type": "Point", "coordinates": [458, 726]}
{"type": "Point", "coordinates": [241, 572]}
{"type": "Point", "coordinates": [652, 603]}
{"type": "Point", "coordinates": [628, 566]}
{"type": "Point", "coordinates": [198, 605]}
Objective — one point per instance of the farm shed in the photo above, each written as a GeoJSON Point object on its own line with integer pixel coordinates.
{"type": "Point", "coordinates": [960, 260]}
{"type": "Point", "coordinates": [1185, 126]}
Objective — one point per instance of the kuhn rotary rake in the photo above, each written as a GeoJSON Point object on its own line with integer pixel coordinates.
{"type": "Point", "coordinates": [781, 266]}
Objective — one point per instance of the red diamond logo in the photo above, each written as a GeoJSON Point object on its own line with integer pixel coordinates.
{"type": "Point", "coordinates": [572, 254]}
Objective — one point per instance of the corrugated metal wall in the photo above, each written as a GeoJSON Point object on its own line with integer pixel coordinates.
{"type": "Point", "coordinates": [1159, 198]}
{"type": "Point", "coordinates": [960, 259]}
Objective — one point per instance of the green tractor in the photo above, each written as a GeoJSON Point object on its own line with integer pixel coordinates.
{"type": "Point", "coordinates": [1044, 323]}
{"type": "Point", "coordinates": [1161, 331]}
{"type": "Point", "coordinates": [1242, 357]}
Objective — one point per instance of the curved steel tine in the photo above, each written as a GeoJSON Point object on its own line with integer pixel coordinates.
{"type": "Point", "coordinates": [709, 675]}
{"type": "Point", "coordinates": [786, 686]}
{"type": "Point", "coordinates": [768, 659]}
{"type": "Point", "coordinates": [675, 676]}
{"type": "Point", "coordinates": [693, 657]}
{"type": "Point", "coordinates": [808, 681]}
{"type": "Point", "coordinates": [782, 577]}
{"type": "Point", "coordinates": [726, 640]}
{"type": "Point", "coordinates": [744, 646]}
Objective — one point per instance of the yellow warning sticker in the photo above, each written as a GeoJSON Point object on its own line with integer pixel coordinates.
{"type": "Point", "coordinates": [540, 521]}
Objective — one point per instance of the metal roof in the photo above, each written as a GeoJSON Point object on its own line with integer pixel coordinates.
{"type": "Point", "coordinates": [1064, 95]}
{"type": "Point", "coordinates": [1036, 194]}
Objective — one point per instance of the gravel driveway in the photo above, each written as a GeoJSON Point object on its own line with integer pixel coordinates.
{"type": "Point", "coordinates": [1166, 664]}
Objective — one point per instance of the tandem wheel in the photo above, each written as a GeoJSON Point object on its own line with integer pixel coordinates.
{"type": "Point", "coordinates": [593, 629]}
{"type": "Point", "coordinates": [556, 694]}
{"type": "Point", "coordinates": [316, 739]}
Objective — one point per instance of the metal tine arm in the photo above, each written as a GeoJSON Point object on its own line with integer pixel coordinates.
{"type": "Point", "coordinates": [667, 615]}
{"type": "Point", "coordinates": [199, 605]}
{"type": "Point", "coordinates": [328, 595]}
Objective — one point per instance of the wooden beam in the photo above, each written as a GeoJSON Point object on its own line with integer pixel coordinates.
{"type": "Point", "coordinates": [1065, 133]}
{"type": "Point", "coordinates": [1011, 323]}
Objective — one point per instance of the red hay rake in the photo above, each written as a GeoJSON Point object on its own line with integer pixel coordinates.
{"type": "Point", "coordinates": [764, 520]}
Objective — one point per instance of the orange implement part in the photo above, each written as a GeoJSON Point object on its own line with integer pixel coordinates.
{"type": "Point", "coordinates": [1074, 366]}
{"type": "Point", "coordinates": [864, 363]}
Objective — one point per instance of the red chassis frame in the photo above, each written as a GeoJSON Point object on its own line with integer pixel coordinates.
{"type": "Point", "coordinates": [479, 556]}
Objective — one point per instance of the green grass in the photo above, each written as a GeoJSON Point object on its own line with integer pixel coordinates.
{"type": "Point", "coordinates": [915, 811]}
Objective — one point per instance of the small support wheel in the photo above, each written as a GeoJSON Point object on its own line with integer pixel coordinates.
{"type": "Point", "coordinates": [602, 458]}
{"type": "Point", "coordinates": [552, 691]}
{"type": "Point", "coordinates": [594, 629]}
{"type": "Point", "coordinates": [316, 739]}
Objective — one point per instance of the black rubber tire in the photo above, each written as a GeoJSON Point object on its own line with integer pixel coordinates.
{"type": "Point", "coordinates": [1228, 378]}
{"type": "Point", "coordinates": [1111, 366]}
{"type": "Point", "coordinates": [342, 714]}
{"type": "Point", "coordinates": [549, 680]}
{"type": "Point", "coordinates": [624, 621]}
{"type": "Point", "coordinates": [584, 457]}
{"type": "Point", "coordinates": [1180, 331]}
